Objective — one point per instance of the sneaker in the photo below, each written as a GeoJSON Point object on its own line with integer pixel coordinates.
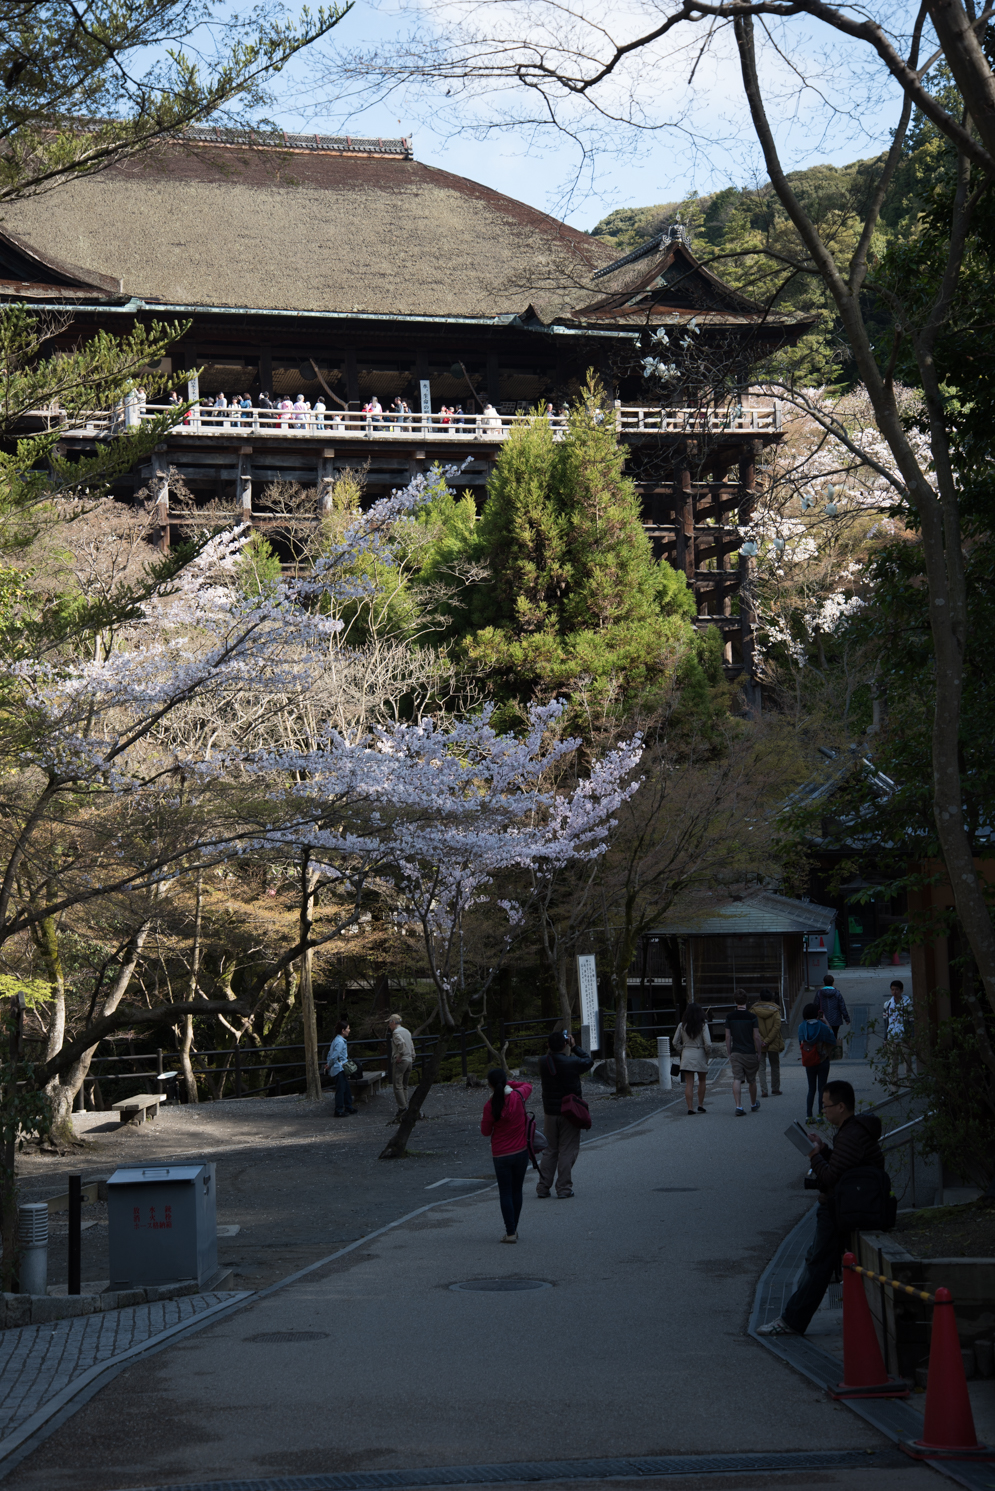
{"type": "Point", "coordinates": [564, 1195]}
{"type": "Point", "coordinates": [776, 1093]}
{"type": "Point", "coordinates": [740, 1112]}
{"type": "Point", "coordinates": [754, 1107]}
{"type": "Point", "coordinates": [510, 1237]}
{"type": "Point", "coordinates": [777, 1327]}
{"type": "Point", "coordinates": [541, 1194]}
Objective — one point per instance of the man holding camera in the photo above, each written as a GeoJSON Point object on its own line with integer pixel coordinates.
{"type": "Point", "coordinates": [856, 1144]}
{"type": "Point", "coordinates": [560, 1070]}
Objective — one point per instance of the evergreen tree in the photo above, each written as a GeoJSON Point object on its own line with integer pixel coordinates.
{"type": "Point", "coordinates": [576, 603]}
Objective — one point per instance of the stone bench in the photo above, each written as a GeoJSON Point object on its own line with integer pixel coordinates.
{"type": "Point", "coordinates": [367, 1086]}
{"type": "Point", "coordinates": [136, 1109]}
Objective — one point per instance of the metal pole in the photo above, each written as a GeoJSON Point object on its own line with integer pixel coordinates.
{"type": "Point", "coordinates": [75, 1231]}
{"type": "Point", "coordinates": [462, 1052]}
{"type": "Point", "coordinates": [238, 1072]}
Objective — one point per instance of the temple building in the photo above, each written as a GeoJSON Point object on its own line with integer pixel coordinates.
{"type": "Point", "coordinates": [307, 268]}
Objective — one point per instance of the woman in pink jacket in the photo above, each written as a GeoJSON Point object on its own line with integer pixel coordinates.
{"type": "Point", "coordinates": [505, 1121]}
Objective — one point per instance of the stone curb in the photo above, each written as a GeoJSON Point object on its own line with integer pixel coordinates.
{"type": "Point", "coordinates": [18, 1310]}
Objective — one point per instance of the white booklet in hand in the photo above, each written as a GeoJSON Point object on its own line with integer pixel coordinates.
{"type": "Point", "coordinates": [798, 1134]}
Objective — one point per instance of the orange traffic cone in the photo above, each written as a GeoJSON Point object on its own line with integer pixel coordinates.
{"type": "Point", "coordinates": [864, 1371]}
{"type": "Point", "coordinates": [948, 1433]}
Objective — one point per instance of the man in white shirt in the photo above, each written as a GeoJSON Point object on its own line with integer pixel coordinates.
{"type": "Point", "coordinates": [897, 1014]}
{"type": "Point", "coordinates": [402, 1051]}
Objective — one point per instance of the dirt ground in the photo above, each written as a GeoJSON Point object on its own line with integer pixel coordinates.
{"type": "Point", "coordinates": [966, 1231]}
{"type": "Point", "coordinates": [296, 1182]}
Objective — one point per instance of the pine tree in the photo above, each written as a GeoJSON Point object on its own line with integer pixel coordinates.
{"type": "Point", "coordinates": [576, 603]}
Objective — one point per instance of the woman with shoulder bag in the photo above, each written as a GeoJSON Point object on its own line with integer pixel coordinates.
{"type": "Point", "coordinates": [336, 1066]}
{"type": "Point", "coordinates": [815, 1042]}
{"type": "Point", "coordinates": [691, 1041]}
{"type": "Point", "coordinates": [506, 1122]}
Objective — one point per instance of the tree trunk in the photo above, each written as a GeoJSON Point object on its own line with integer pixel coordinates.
{"type": "Point", "coordinates": [8, 1173]}
{"type": "Point", "coordinates": [46, 938]}
{"type": "Point", "coordinates": [63, 1089]}
{"type": "Point", "coordinates": [622, 1088]}
{"type": "Point", "coordinates": [563, 990]}
{"type": "Point", "coordinates": [308, 1015]}
{"type": "Point", "coordinates": [186, 1045]}
{"type": "Point", "coordinates": [397, 1147]}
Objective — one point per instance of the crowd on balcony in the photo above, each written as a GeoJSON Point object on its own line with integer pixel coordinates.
{"type": "Point", "coordinates": [301, 414]}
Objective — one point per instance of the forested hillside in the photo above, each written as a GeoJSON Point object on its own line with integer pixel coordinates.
{"type": "Point", "coordinates": [744, 234]}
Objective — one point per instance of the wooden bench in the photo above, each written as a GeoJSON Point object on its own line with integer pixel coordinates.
{"type": "Point", "coordinates": [367, 1086]}
{"type": "Point", "coordinates": [136, 1109]}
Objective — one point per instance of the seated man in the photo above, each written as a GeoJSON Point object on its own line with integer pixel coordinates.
{"type": "Point", "coordinates": [856, 1144]}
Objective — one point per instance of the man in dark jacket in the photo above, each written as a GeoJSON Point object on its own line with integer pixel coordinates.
{"type": "Point", "coordinates": [560, 1069]}
{"type": "Point", "coordinates": [856, 1144]}
{"type": "Point", "coordinates": [832, 1006]}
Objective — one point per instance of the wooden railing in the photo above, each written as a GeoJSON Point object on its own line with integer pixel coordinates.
{"type": "Point", "coordinates": [205, 419]}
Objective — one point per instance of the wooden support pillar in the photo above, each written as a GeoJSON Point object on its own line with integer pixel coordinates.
{"type": "Point", "coordinates": [244, 493]}
{"type": "Point", "coordinates": [351, 378]}
{"type": "Point", "coordinates": [493, 378]}
{"type": "Point", "coordinates": [747, 602]}
{"type": "Point", "coordinates": [684, 519]}
{"type": "Point", "coordinates": [266, 370]}
{"type": "Point", "coordinates": [723, 565]}
{"type": "Point", "coordinates": [160, 489]}
{"type": "Point", "coordinates": [326, 478]}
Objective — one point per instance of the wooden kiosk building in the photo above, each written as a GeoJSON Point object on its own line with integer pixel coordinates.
{"type": "Point", "coordinates": [343, 268]}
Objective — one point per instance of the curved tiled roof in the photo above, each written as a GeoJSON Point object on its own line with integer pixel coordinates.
{"type": "Point", "coordinates": [713, 914]}
{"type": "Point", "coordinates": [328, 226]}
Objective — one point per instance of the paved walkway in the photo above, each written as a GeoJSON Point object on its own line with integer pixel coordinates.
{"type": "Point", "coordinates": [39, 1363]}
{"type": "Point", "coordinates": [634, 1346]}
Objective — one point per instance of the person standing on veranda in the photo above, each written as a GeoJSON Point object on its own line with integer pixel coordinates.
{"type": "Point", "coordinates": [693, 1047]}
{"type": "Point", "coordinates": [402, 1057]}
{"type": "Point", "coordinates": [768, 1013]}
{"type": "Point", "coordinates": [743, 1050]}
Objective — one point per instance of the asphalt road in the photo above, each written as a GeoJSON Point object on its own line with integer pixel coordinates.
{"type": "Point", "coordinates": [637, 1345]}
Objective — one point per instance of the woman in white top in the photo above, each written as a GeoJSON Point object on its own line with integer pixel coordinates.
{"type": "Point", "coordinates": [691, 1040]}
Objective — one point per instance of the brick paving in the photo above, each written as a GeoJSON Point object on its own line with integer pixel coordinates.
{"type": "Point", "coordinates": [38, 1361]}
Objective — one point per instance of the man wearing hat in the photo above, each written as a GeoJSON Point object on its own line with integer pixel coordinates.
{"type": "Point", "coordinates": [402, 1051]}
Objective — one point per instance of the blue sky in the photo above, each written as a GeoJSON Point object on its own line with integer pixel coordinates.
{"type": "Point", "coordinates": [843, 114]}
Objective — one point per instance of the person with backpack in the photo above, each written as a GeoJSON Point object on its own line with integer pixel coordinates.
{"type": "Point", "coordinates": [815, 1042]}
{"type": "Point", "coordinates": [856, 1148]}
{"type": "Point", "coordinates": [560, 1070]}
{"type": "Point", "coordinates": [832, 1006]}
{"type": "Point", "coordinates": [506, 1122]}
{"type": "Point", "coordinates": [692, 1044]}
{"type": "Point", "coordinates": [768, 1013]}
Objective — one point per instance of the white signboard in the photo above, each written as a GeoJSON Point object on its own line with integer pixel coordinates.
{"type": "Point", "coordinates": [426, 395]}
{"type": "Point", "coordinates": [587, 978]}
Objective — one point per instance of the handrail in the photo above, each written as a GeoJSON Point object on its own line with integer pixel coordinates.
{"type": "Point", "coordinates": [206, 419]}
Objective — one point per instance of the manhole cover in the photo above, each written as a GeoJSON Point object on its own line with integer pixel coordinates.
{"type": "Point", "coordinates": [676, 1190]}
{"type": "Point", "coordinates": [501, 1286]}
{"type": "Point", "coordinates": [270, 1336]}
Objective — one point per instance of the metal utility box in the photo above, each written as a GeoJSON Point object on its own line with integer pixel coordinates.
{"type": "Point", "coordinates": [163, 1225]}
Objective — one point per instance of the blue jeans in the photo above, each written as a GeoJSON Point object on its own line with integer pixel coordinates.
{"type": "Point", "coordinates": [510, 1171]}
{"type": "Point", "coordinates": [820, 1265]}
{"type": "Point", "coordinates": [343, 1094]}
{"type": "Point", "coordinates": [816, 1075]}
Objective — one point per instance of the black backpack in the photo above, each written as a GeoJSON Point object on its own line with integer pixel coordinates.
{"type": "Point", "coordinates": [864, 1200]}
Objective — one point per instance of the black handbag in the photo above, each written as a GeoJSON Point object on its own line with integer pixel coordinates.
{"type": "Point", "coordinates": [864, 1200]}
